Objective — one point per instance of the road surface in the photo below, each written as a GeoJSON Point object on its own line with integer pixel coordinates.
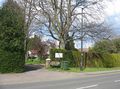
{"type": "Point", "coordinates": [107, 81]}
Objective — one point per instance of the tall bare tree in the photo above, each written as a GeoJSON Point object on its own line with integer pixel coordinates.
{"type": "Point", "coordinates": [29, 15]}
{"type": "Point", "coordinates": [59, 17]}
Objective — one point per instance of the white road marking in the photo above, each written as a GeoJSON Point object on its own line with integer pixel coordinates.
{"type": "Point", "coordinates": [88, 86]}
{"type": "Point", "coordinates": [117, 81]}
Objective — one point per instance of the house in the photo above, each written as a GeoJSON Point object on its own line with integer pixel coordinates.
{"type": "Point", "coordinates": [84, 50]}
{"type": "Point", "coordinates": [33, 53]}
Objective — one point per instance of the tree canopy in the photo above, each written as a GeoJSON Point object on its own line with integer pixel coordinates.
{"type": "Point", "coordinates": [60, 18]}
{"type": "Point", "coordinates": [107, 46]}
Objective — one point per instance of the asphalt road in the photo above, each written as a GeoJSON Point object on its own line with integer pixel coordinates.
{"type": "Point", "coordinates": [107, 81]}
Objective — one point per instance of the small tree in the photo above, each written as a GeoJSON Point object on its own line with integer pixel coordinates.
{"type": "Point", "coordinates": [12, 37]}
{"type": "Point", "coordinates": [70, 44]}
{"type": "Point", "coordinates": [117, 44]}
{"type": "Point", "coordinates": [37, 44]}
{"type": "Point", "coordinates": [104, 46]}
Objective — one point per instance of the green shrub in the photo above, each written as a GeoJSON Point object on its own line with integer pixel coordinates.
{"type": "Point", "coordinates": [37, 60]}
{"type": "Point", "coordinates": [97, 62]}
{"type": "Point", "coordinates": [89, 59]}
{"type": "Point", "coordinates": [104, 60]}
{"type": "Point", "coordinates": [73, 57]}
{"type": "Point", "coordinates": [107, 60]}
{"type": "Point", "coordinates": [54, 50]}
{"type": "Point", "coordinates": [76, 56]}
{"type": "Point", "coordinates": [116, 59]}
{"type": "Point", "coordinates": [68, 57]}
{"type": "Point", "coordinates": [12, 38]}
{"type": "Point", "coordinates": [94, 60]}
{"type": "Point", "coordinates": [11, 62]}
{"type": "Point", "coordinates": [111, 60]}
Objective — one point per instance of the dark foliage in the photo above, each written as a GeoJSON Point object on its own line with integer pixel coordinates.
{"type": "Point", "coordinates": [11, 38]}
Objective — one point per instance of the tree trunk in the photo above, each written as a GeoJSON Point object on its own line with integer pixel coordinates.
{"type": "Point", "coordinates": [62, 44]}
{"type": "Point", "coordinates": [25, 48]}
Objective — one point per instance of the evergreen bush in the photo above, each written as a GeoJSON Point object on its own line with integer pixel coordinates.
{"type": "Point", "coordinates": [11, 38]}
{"type": "Point", "coordinates": [73, 57]}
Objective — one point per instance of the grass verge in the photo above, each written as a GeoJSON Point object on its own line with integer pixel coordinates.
{"type": "Point", "coordinates": [77, 70]}
{"type": "Point", "coordinates": [35, 61]}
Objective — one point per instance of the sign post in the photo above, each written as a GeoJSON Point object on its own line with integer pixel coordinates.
{"type": "Point", "coordinates": [58, 55]}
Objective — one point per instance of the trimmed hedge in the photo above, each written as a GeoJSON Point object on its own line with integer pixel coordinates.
{"type": "Point", "coordinates": [73, 57]}
{"type": "Point", "coordinates": [11, 62]}
{"type": "Point", "coordinates": [53, 51]}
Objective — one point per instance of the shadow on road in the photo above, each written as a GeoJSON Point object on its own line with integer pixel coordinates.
{"type": "Point", "coordinates": [31, 67]}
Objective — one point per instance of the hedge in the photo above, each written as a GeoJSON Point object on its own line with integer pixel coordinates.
{"type": "Point", "coordinates": [53, 51]}
{"type": "Point", "coordinates": [11, 62]}
{"type": "Point", "coordinates": [73, 57]}
{"type": "Point", "coordinates": [111, 60]}
{"type": "Point", "coordinates": [12, 36]}
{"type": "Point", "coordinates": [104, 60]}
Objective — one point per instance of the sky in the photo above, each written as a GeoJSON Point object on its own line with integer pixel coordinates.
{"type": "Point", "coordinates": [112, 17]}
{"type": "Point", "coordinates": [1, 1]}
{"type": "Point", "coordinates": [113, 14]}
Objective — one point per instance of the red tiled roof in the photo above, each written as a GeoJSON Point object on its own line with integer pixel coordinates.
{"type": "Point", "coordinates": [84, 49]}
{"type": "Point", "coordinates": [34, 51]}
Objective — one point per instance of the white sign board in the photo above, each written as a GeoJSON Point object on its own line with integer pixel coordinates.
{"type": "Point", "coordinates": [58, 55]}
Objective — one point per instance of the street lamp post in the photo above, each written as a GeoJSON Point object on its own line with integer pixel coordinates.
{"type": "Point", "coordinates": [81, 60]}
{"type": "Point", "coordinates": [82, 24]}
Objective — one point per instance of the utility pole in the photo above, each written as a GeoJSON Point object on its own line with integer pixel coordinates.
{"type": "Point", "coordinates": [83, 6]}
{"type": "Point", "coordinates": [81, 60]}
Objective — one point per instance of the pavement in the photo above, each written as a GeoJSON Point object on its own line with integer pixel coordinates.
{"type": "Point", "coordinates": [42, 75]}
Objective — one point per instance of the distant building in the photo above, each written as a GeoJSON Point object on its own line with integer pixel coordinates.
{"type": "Point", "coordinates": [84, 49]}
{"type": "Point", "coordinates": [32, 53]}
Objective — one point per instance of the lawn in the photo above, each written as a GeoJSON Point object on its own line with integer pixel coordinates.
{"type": "Point", "coordinates": [35, 61]}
